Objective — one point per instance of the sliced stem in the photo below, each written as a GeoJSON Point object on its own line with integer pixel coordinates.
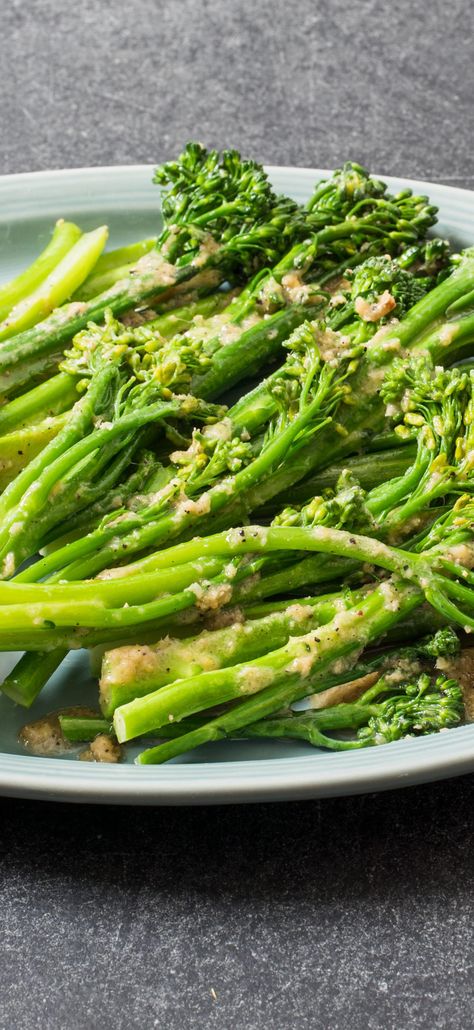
{"type": "Point", "coordinates": [65, 235]}
{"type": "Point", "coordinates": [79, 728]}
{"type": "Point", "coordinates": [30, 675]}
{"type": "Point", "coordinates": [60, 284]}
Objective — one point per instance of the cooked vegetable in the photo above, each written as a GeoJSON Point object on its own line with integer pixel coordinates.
{"type": "Point", "coordinates": [350, 454]}
{"type": "Point", "coordinates": [64, 236]}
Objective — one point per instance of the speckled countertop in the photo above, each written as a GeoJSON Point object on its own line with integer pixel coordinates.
{"type": "Point", "coordinates": [336, 914]}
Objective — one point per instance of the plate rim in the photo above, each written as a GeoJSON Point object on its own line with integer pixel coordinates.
{"type": "Point", "coordinates": [302, 777]}
{"type": "Point", "coordinates": [257, 780]}
{"type": "Point", "coordinates": [86, 170]}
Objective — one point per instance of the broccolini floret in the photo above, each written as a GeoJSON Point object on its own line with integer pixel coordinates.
{"type": "Point", "coordinates": [415, 707]}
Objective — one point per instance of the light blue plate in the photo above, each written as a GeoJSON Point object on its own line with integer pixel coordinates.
{"type": "Point", "coordinates": [233, 771]}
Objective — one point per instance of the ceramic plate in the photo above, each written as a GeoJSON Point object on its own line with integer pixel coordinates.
{"type": "Point", "coordinates": [233, 771]}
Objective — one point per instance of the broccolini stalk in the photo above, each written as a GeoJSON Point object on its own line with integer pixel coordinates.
{"type": "Point", "coordinates": [421, 622]}
{"type": "Point", "coordinates": [130, 672]}
{"type": "Point", "coordinates": [62, 281]}
{"type": "Point", "coordinates": [26, 512]}
{"type": "Point", "coordinates": [65, 235]}
{"type": "Point", "coordinates": [46, 638]}
{"type": "Point", "coordinates": [22, 445]}
{"type": "Point", "coordinates": [26, 375]}
{"type": "Point", "coordinates": [370, 470]}
{"type": "Point", "coordinates": [79, 728]}
{"type": "Point", "coordinates": [42, 401]}
{"type": "Point", "coordinates": [112, 266]}
{"type": "Point", "coordinates": [31, 673]}
{"type": "Point", "coordinates": [99, 612]}
{"type": "Point", "coordinates": [425, 568]}
{"type": "Point", "coordinates": [268, 683]}
{"type": "Point", "coordinates": [222, 220]}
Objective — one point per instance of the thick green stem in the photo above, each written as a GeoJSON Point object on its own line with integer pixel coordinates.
{"type": "Point", "coordinates": [60, 284]}
{"type": "Point", "coordinates": [255, 346]}
{"type": "Point", "coordinates": [369, 469]}
{"type": "Point", "coordinates": [152, 278]}
{"type": "Point", "coordinates": [112, 266]}
{"type": "Point", "coordinates": [50, 398]}
{"type": "Point", "coordinates": [20, 447]}
{"type": "Point", "coordinates": [132, 672]}
{"type": "Point", "coordinates": [25, 375]}
{"type": "Point", "coordinates": [276, 680]}
{"type": "Point", "coordinates": [65, 235]}
{"type": "Point", "coordinates": [344, 716]}
{"type": "Point", "coordinates": [30, 675]}
{"type": "Point", "coordinates": [80, 728]}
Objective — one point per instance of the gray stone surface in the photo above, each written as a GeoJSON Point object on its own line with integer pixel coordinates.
{"type": "Point", "coordinates": [349, 914]}
{"type": "Point", "coordinates": [387, 82]}
{"type": "Point", "coordinates": [339, 914]}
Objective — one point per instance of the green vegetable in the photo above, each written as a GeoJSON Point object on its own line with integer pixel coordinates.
{"type": "Point", "coordinates": [354, 439]}
{"type": "Point", "coordinates": [413, 709]}
{"type": "Point", "coordinates": [128, 672]}
{"type": "Point", "coordinates": [112, 266]}
{"type": "Point", "coordinates": [268, 683]}
{"type": "Point", "coordinates": [77, 728]}
{"type": "Point", "coordinates": [65, 235]}
{"type": "Point", "coordinates": [29, 676]}
{"type": "Point", "coordinates": [207, 194]}
{"type": "Point", "coordinates": [62, 281]}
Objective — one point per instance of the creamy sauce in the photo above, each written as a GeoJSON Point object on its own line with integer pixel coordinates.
{"type": "Point", "coordinates": [43, 737]}
{"type": "Point", "coordinates": [373, 312]}
{"type": "Point", "coordinates": [102, 749]}
{"type": "Point", "coordinates": [211, 597]}
{"type": "Point", "coordinates": [254, 678]}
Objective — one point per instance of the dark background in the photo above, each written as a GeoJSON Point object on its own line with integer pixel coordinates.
{"type": "Point", "coordinates": [349, 913]}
